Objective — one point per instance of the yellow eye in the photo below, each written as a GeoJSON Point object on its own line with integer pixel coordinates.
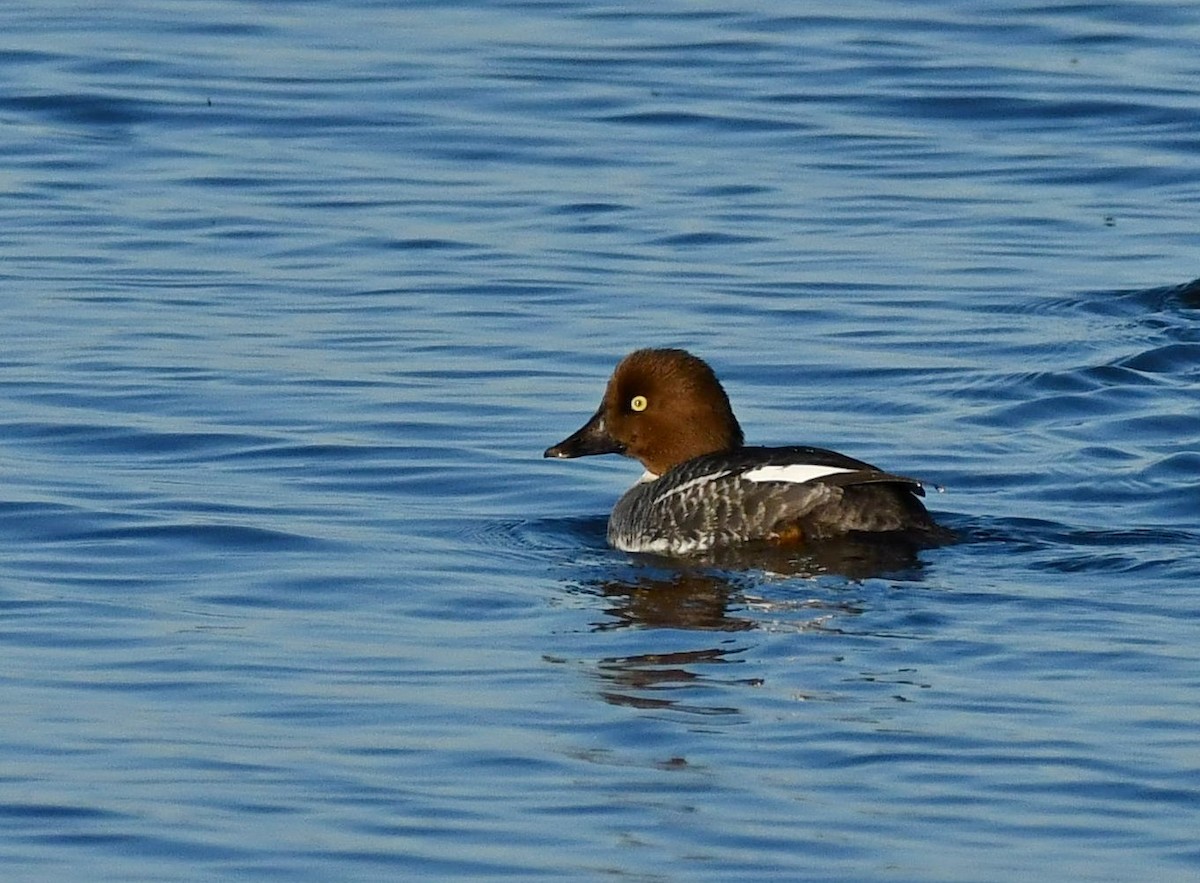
{"type": "Point", "coordinates": [638, 403]}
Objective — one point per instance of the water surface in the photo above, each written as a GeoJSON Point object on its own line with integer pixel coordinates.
{"type": "Point", "coordinates": [297, 293]}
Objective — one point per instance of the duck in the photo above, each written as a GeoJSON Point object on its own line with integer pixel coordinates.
{"type": "Point", "coordinates": [704, 489]}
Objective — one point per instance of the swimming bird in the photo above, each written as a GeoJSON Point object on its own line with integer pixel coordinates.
{"type": "Point", "coordinates": [705, 489]}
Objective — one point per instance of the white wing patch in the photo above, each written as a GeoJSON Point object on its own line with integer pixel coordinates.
{"type": "Point", "coordinates": [794, 473]}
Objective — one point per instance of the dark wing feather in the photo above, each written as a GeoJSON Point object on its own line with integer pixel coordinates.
{"type": "Point", "coordinates": [863, 499]}
{"type": "Point", "coordinates": [744, 459]}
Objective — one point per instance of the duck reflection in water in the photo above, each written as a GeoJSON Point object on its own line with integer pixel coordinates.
{"type": "Point", "coordinates": [698, 597]}
{"type": "Point", "coordinates": [686, 600]}
{"type": "Point", "coordinates": [694, 601]}
{"type": "Point", "coordinates": [720, 595]}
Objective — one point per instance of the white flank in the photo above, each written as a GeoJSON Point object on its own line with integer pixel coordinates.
{"type": "Point", "coordinates": [795, 473]}
{"type": "Point", "coordinates": [661, 546]}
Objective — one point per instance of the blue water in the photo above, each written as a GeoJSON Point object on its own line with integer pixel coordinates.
{"type": "Point", "coordinates": [295, 294]}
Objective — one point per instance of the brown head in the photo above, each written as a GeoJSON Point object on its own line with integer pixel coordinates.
{"type": "Point", "coordinates": [662, 407]}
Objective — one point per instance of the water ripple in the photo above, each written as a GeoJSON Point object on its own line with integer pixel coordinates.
{"type": "Point", "coordinates": [294, 302]}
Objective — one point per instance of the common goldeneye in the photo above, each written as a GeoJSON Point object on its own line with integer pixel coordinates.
{"type": "Point", "coordinates": [703, 489]}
